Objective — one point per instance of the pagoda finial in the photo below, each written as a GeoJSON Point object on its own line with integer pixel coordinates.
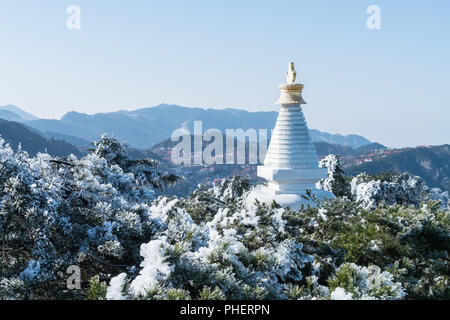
{"type": "Point", "coordinates": [291, 92]}
{"type": "Point", "coordinates": [291, 74]}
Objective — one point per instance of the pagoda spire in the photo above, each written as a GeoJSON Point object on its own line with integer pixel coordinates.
{"type": "Point", "coordinates": [291, 165]}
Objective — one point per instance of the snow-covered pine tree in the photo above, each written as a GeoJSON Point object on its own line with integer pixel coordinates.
{"type": "Point", "coordinates": [98, 213]}
{"type": "Point", "coordinates": [336, 182]}
{"type": "Point", "coordinates": [88, 212]}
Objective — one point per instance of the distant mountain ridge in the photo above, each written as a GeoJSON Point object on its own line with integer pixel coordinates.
{"type": "Point", "coordinates": [430, 163]}
{"type": "Point", "coordinates": [34, 141]}
{"type": "Point", "coordinates": [143, 128]}
{"type": "Point", "coordinates": [352, 140]}
{"type": "Point", "coordinates": [10, 116]}
{"type": "Point", "coordinates": [19, 114]}
{"type": "Point", "coordinates": [15, 133]}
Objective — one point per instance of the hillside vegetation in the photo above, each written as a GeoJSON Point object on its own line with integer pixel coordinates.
{"type": "Point", "coordinates": [430, 163]}
{"type": "Point", "coordinates": [101, 213]}
{"type": "Point", "coordinates": [17, 134]}
{"type": "Point", "coordinates": [143, 128]}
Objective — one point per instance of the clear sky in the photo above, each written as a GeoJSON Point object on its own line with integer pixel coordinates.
{"type": "Point", "coordinates": [390, 85]}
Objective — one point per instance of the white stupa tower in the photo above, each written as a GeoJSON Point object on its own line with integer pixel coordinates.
{"type": "Point", "coordinates": [291, 165]}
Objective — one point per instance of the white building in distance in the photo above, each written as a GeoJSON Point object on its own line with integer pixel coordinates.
{"type": "Point", "coordinates": [291, 166]}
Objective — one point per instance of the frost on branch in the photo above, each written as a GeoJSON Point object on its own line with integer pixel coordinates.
{"type": "Point", "coordinates": [354, 282]}
{"type": "Point", "coordinates": [145, 171]}
{"type": "Point", "coordinates": [393, 189]}
{"type": "Point", "coordinates": [336, 182]}
{"type": "Point", "coordinates": [101, 214]}
{"type": "Point", "coordinates": [92, 213]}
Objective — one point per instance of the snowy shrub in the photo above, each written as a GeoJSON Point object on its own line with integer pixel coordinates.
{"type": "Point", "coordinates": [336, 182]}
{"type": "Point", "coordinates": [338, 250]}
{"type": "Point", "coordinates": [356, 282]}
{"type": "Point", "coordinates": [400, 189]}
{"type": "Point", "coordinates": [387, 239]}
{"type": "Point", "coordinates": [388, 187]}
{"type": "Point", "coordinates": [89, 212]}
{"type": "Point", "coordinates": [154, 267]}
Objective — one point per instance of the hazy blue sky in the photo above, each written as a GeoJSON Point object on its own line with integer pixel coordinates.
{"type": "Point", "coordinates": [390, 85]}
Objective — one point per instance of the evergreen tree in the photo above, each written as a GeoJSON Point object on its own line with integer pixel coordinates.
{"type": "Point", "coordinates": [101, 213]}
{"type": "Point", "coordinates": [336, 182]}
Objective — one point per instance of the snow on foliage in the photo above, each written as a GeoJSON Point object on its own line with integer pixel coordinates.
{"type": "Point", "coordinates": [90, 212]}
{"type": "Point", "coordinates": [390, 188]}
{"type": "Point", "coordinates": [154, 267]}
{"type": "Point", "coordinates": [100, 213]}
{"type": "Point", "coordinates": [398, 189]}
{"type": "Point", "coordinates": [340, 294]}
{"type": "Point", "coordinates": [336, 181]}
{"type": "Point", "coordinates": [114, 291]}
{"type": "Point", "coordinates": [356, 282]}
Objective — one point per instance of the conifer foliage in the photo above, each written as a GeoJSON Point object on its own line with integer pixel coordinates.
{"type": "Point", "coordinates": [101, 213]}
{"type": "Point", "coordinates": [88, 212]}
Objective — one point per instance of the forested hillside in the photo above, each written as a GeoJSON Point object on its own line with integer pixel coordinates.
{"type": "Point", "coordinates": [430, 163]}
{"type": "Point", "coordinates": [379, 239]}
{"type": "Point", "coordinates": [16, 133]}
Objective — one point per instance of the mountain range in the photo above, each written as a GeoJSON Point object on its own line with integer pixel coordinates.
{"type": "Point", "coordinates": [17, 113]}
{"type": "Point", "coordinates": [16, 134]}
{"type": "Point", "coordinates": [143, 128]}
{"type": "Point", "coordinates": [164, 149]}
{"type": "Point", "coordinates": [431, 163]}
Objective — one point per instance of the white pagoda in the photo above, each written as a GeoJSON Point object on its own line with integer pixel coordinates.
{"type": "Point", "coordinates": [291, 165]}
